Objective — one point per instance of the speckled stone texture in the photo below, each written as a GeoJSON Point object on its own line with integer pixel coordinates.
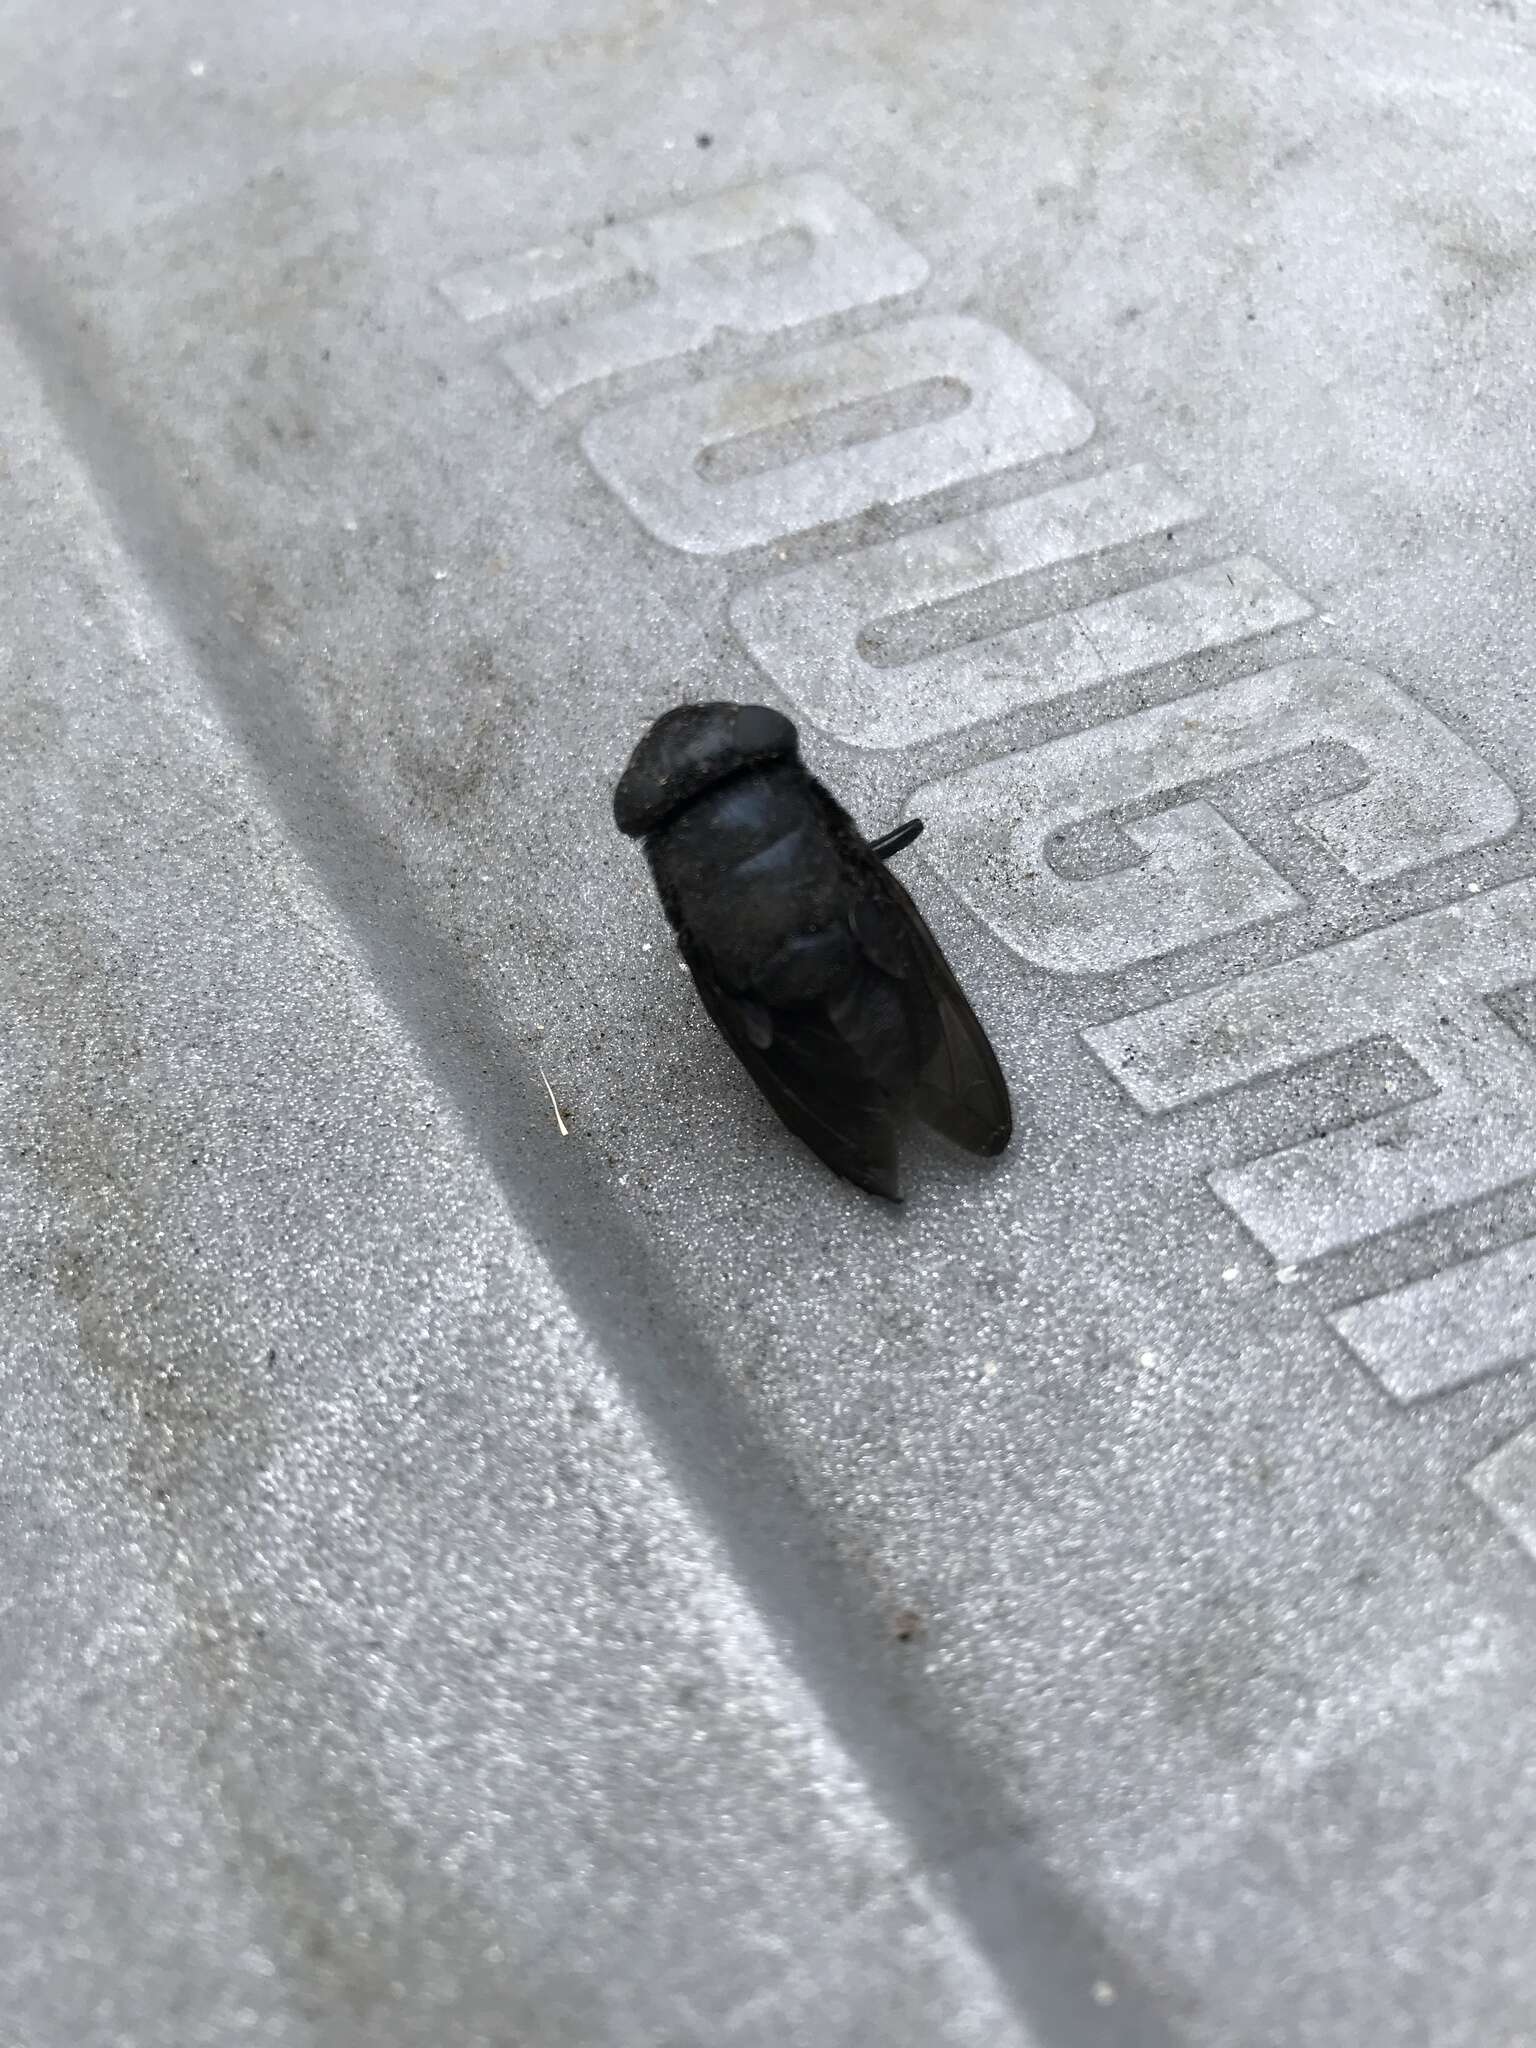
{"type": "Point", "coordinates": [464, 1585]}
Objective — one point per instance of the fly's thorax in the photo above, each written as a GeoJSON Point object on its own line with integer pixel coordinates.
{"type": "Point", "coordinates": [756, 821]}
{"type": "Point", "coordinates": [749, 868]}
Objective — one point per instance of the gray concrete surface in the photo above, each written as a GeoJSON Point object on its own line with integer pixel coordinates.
{"type": "Point", "coordinates": [469, 1584]}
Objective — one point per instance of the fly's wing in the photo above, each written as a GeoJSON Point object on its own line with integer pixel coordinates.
{"type": "Point", "coordinates": [814, 1077]}
{"type": "Point", "coordinates": [960, 1090]}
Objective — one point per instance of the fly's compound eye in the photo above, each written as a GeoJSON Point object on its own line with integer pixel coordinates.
{"type": "Point", "coordinates": [759, 730]}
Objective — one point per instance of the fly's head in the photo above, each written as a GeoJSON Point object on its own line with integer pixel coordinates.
{"type": "Point", "coordinates": [689, 750]}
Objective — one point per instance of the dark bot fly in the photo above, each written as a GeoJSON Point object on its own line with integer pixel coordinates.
{"type": "Point", "coordinates": [806, 951]}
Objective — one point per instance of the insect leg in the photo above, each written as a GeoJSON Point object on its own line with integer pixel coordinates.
{"type": "Point", "coordinates": [894, 840]}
